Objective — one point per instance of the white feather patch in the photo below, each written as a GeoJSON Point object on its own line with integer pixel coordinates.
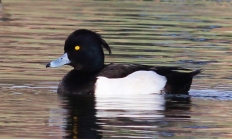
{"type": "Point", "coordinates": [140, 82]}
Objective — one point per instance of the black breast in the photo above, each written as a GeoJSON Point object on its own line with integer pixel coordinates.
{"type": "Point", "coordinates": [76, 82]}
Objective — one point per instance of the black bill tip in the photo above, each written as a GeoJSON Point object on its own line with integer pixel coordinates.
{"type": "Point", "coordinates": [48, 65]}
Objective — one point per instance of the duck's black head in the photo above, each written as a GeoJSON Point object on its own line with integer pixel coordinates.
{"type": "Point", "coordinates": [83, 51]}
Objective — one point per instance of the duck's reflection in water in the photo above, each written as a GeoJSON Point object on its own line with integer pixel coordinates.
{"type": "Point", "coordinates": [92, 117]}
{"type": "Point", "coordinates": [80, 120]}
{"type": "Point", "coordinates": [178, 107]}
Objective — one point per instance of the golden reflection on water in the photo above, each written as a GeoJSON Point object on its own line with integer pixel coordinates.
{"type": "Point", "coordinates": [194, 34]}
{"type": "Point", "coordinates": [25, 113]}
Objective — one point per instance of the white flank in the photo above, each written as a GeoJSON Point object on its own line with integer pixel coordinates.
{"type": "Point", "coordinates": [140, 82]}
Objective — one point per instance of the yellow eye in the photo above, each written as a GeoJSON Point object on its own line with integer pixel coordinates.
{"type": "Point", "coordinates": [77, 47]}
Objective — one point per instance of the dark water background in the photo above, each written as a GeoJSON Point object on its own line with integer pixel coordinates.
{"type": "Point", "coordinates": [191, 34]}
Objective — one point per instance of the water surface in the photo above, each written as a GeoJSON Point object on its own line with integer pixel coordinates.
{"type": "Point", "coordinates": [190, 34]}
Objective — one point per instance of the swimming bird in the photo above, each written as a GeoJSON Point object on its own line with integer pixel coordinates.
{"type": "Point", "coordinates": [83, 50]}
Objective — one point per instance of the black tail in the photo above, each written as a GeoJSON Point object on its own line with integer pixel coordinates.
{"type": "Point", "coordinates": [180, 82]}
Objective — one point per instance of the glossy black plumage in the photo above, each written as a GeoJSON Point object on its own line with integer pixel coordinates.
{"type": "Point", "coordinates": [88, 63]}
{"type": "Point", "coordinates": [90, 57]}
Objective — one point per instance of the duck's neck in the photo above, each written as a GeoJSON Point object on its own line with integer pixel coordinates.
{"type": "Point", "coordinates": [90, 68]}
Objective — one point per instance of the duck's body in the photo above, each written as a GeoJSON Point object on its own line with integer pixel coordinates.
{"type": "Point", "coordinates": [83, 51]}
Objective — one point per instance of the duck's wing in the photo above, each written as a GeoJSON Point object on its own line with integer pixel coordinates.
{"type": "Point", "coordinates": [122, 70]}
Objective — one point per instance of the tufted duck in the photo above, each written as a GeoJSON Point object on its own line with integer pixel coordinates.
{"type": "Point", "coordinates": [83, 50]}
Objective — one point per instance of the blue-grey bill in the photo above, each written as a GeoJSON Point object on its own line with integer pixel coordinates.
{"type": "Point", "coordinates": [63, 60]}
